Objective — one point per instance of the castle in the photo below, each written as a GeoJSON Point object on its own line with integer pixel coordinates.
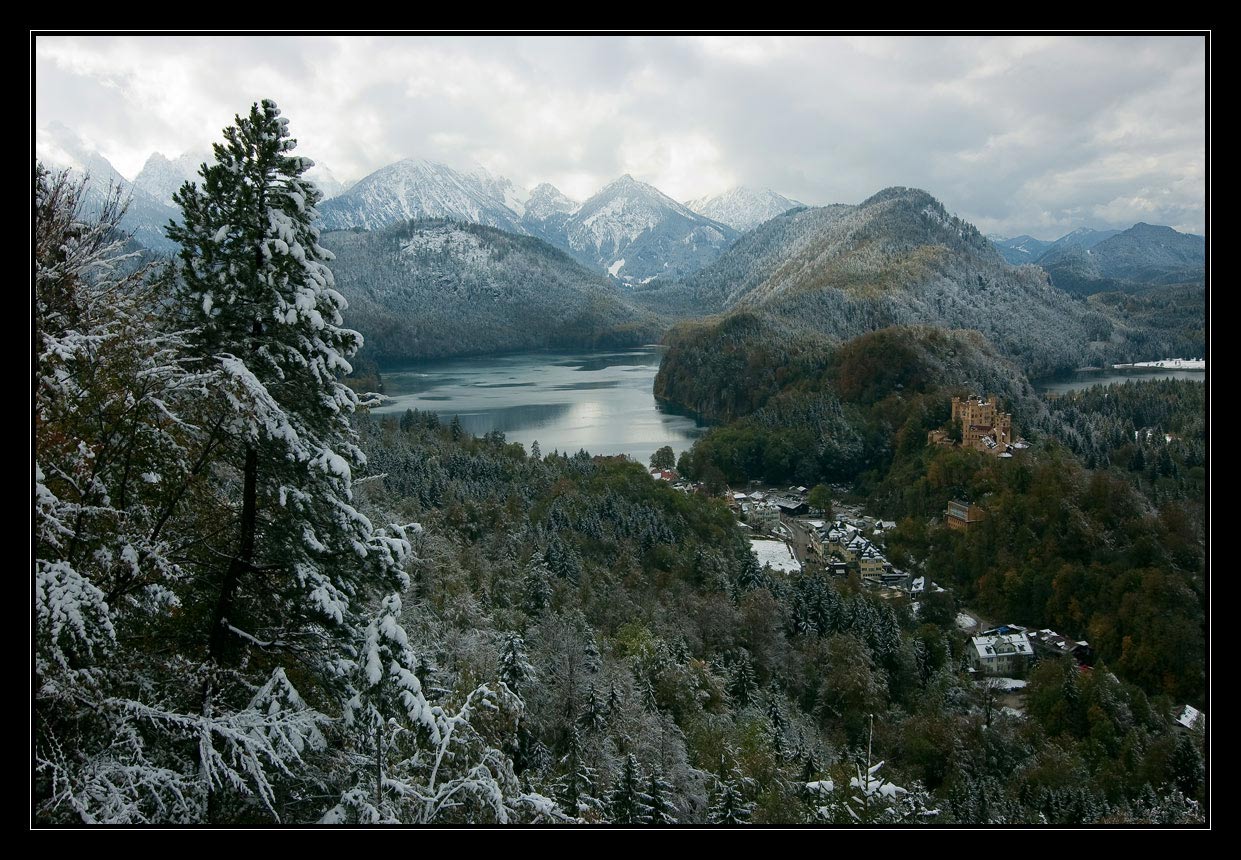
{"type": "Point", "coordinates": [983, 427]}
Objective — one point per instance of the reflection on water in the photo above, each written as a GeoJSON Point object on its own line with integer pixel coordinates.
{"type": "Point", "coordinates": [599, 401]}
{"type": "Point", "coordinates": [1085, 378]}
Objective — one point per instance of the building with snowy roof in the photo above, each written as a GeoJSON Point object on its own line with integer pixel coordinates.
{"type": "Point", "coordinates": [1191, 717]}
{"type": "Point", "coordinates": [1000, 654]}
{"type": "Point", "coordinates": [1050, 643]}
{"type": "Point", "coordinates": [763, 516]}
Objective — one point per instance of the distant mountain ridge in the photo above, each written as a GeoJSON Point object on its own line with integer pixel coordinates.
{"type": "Point", "coordinates": [1088, 261]}
{"type": "Point", "coordinates": [433, 288]}
{"type": "Point", "coordinates": [628, 229]}
{"type": "Point", "coordinates": [1020, 249]}
{"type": "Point", "coordinates": [60, 148]}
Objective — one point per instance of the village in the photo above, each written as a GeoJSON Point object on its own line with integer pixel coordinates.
{"type": "Point", "coordinates": [791, 538]}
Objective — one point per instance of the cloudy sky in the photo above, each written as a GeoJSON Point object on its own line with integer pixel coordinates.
{"type": "Point", "coordinates": [1018, 135]}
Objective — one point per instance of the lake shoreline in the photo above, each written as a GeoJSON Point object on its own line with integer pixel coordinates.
{"type": "Point", "coordinates": [600, 400]}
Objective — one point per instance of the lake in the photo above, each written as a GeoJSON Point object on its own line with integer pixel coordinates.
{"type": "Point", "coordinates": [1085, 378]}
{"type": "Point", "coordinates": [600, 401]}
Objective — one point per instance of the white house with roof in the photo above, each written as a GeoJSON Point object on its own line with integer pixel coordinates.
{"type": "Point", "coordinates": [1000, 654]}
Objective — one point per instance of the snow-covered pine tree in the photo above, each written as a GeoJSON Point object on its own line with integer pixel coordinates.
{"type": "Point", "coordinates": [284, 573]}
{"type": "Point", "coordinates": [660, 791]}
{"type": "Point", "coordinates": [404, 760]}
{"type": "Point", "coordinates": [728, 804]}
{"type": "Point", "coordinates": [515, 668]}
{"type": "Point", "coordinates": [629, 803]}
{"type": "Point", "coordinates": [121, 734]}
{"type": "Point", "coordinates": [576, 786]}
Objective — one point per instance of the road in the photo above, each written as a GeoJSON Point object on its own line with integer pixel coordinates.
{"type": "Point", "coordinates": [801, 539]}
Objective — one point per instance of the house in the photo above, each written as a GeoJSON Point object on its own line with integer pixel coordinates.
{"type": "Point", "coordinates": [962, 515]}
{"type": "Point", "coordinates": [1000, 653]}
{"type": "Point", "coordinates": [872, 566]}
{"type": "Point", "coordinates": [763, 516]}
{"type": "Point", "coordinates": [1049, 643]}
{"type": "Point", "coordinates": [790, 507]}
{"type": "Point", "coordinates": [853, 548]}
{"type": "Point", "coordinates": [1191, 717]}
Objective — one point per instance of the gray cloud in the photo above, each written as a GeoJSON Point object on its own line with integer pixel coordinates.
{"type": "Point", "coordinates": [1036, 135]}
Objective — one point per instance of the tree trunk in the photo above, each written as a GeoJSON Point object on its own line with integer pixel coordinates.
{"type": "Point", "coordinates": [222, 640]}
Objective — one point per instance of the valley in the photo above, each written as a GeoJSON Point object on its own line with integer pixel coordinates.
{"type": "Point", "coordinates": [621, 430]}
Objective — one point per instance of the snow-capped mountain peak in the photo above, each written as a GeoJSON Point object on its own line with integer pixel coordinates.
{"type": "Point", "coordinates": [634, 222]}
{"type": "Point", "coordinates": [161, 177]}
{"type": "Point", "coordinates": [418, 188]}
{"type": "Point", "coordinates": [547, 201]}
{"type": "Point", "coordinates": [743, 208]}
{"type": "Point", "coordinates": [499, 187]}
{"type": "Point", "coordinates": [60, 148]}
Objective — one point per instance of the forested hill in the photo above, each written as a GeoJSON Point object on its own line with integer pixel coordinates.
{"type": "Point", "coordinates": [732, 368]}
{"type": "Point", "coordinates": [897, 258]}
{"type": "Point", "coordinates": [434, 288]}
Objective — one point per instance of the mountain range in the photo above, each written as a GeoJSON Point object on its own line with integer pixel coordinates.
{"type": "Point", "coordinates": [628, 228]}
{"type": "Point", "coordinates": [150, 193]}
{"type": "Point", "coordinates": [1088, 261]}
{"type": "Point", "coordinates": [60, 148]}
{"type": "Point", "coordinates": [440, 261]}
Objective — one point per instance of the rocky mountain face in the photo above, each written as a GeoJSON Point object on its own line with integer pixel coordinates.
{"type": "Point", "coordinates": [545, 214]}
{"type": "Point", "coordinates": [162, 177]}
{"type": "Point", "coordinates": [743, 208]}
{"type": "Point", "coordinates": [637, 233]}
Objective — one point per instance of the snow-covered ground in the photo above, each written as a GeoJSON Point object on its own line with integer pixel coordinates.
{"type": "Point", "coordinates": [1008, 685]}
{"type": "Point", "coordinates": [1171, 364]}
{"type": "Point", "coordinates": [774, 553]}
{"type": "Point", "coordinates": [965, 622]}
